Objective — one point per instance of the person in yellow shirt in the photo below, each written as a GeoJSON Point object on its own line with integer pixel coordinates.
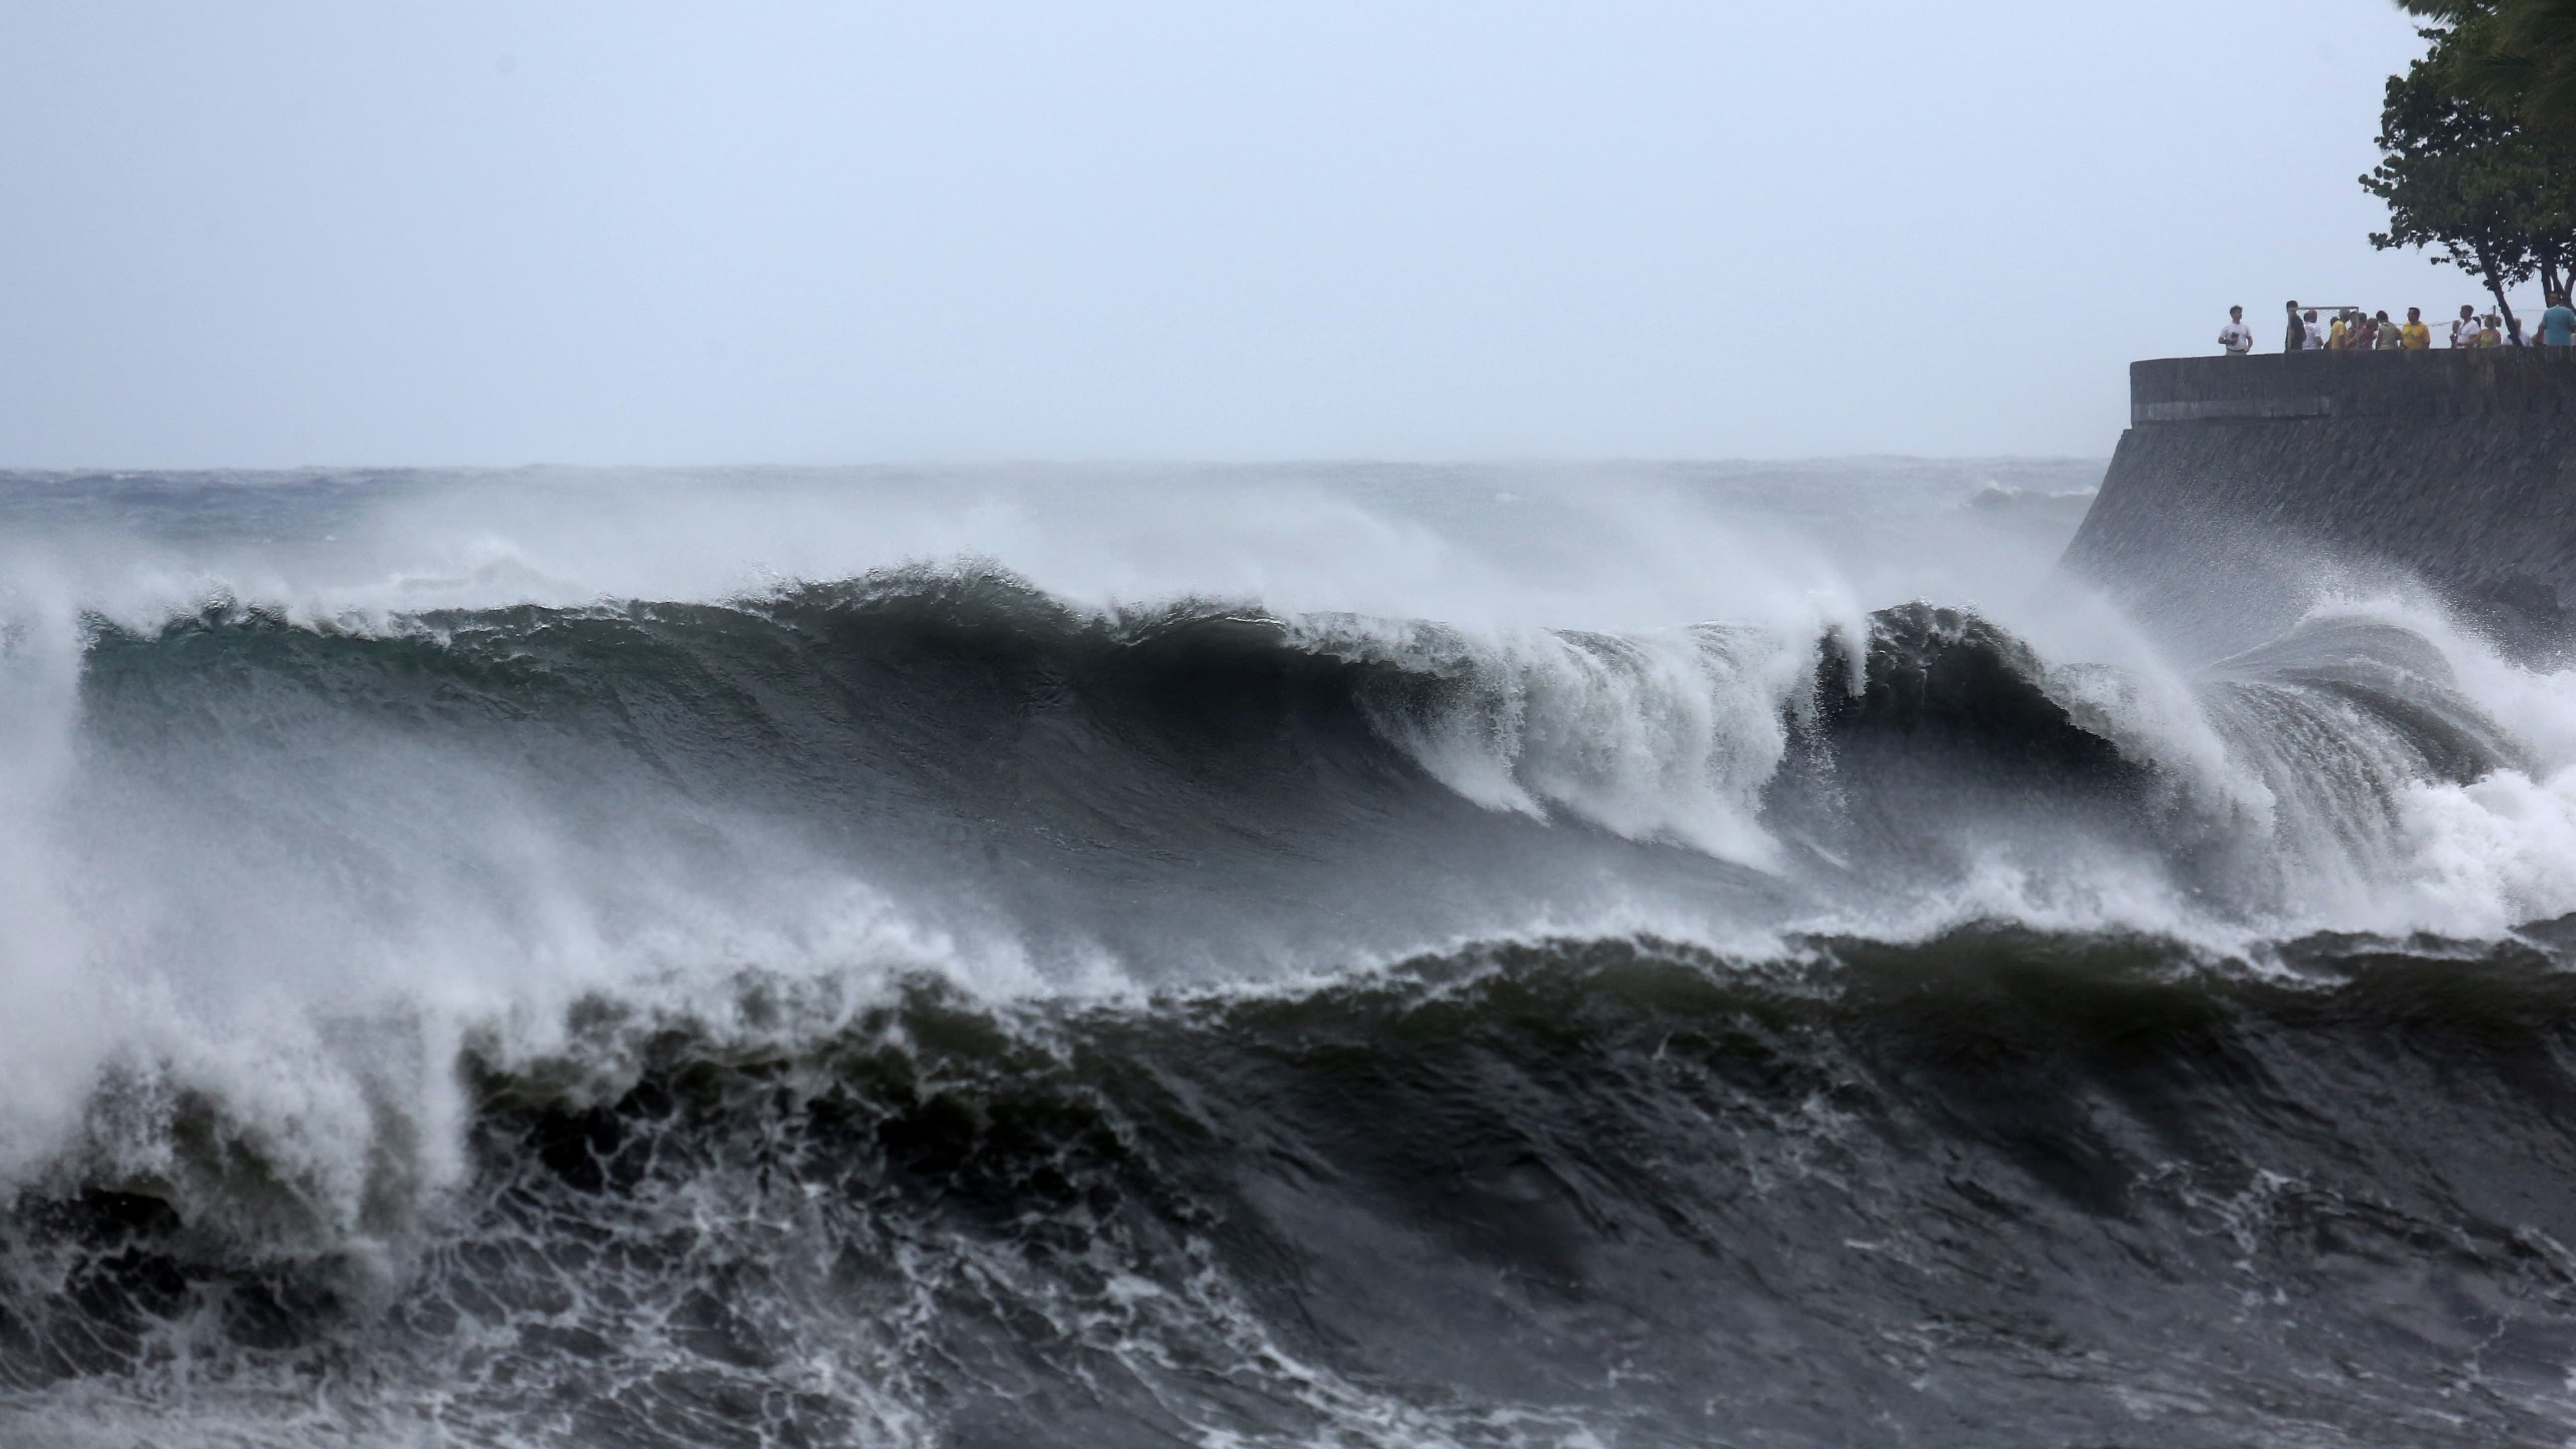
{"type": "Point", "coordinates": [2337, 334]}
{"type": "Point", "coordinates": [2417, 335]}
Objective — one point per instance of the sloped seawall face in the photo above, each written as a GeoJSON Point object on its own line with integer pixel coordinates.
{"type": "Point", "coordinates": [2246, 486]}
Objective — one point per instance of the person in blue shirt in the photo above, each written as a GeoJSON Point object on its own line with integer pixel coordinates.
{"type": "Point", "coordinates": [2558, 324]}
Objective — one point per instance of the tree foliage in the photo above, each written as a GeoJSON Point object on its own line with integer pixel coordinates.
{"type": "Point", "coordinates": [2456, 176]}
{"type": "Point", "coordinates": [2516, 57]}
{"type": "Point", "coordinates": [2479, 139]}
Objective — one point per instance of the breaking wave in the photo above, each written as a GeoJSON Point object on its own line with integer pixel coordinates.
{"type": "Point", "coordinates": [918, 1009]}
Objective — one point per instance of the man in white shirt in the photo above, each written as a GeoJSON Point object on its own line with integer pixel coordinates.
{"type": "Point", "coordinates": [2236, 337]}
{"type": "Point", "coordinates": [2465, 328]}
{"type": "Point", "coordinates": [2316, 334]}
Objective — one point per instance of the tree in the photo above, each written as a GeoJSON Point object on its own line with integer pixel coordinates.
{"type": "Point", "coordinates": [2494, 194]}
{"type": "Point", "coordinates": [2517, 57]}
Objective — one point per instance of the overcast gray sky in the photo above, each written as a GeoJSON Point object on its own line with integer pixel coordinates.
{"type": "Point", "coordinates": [272, 232]}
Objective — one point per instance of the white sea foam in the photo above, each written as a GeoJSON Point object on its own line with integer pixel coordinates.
{"type": "Point", "coordinates": [55, 1027]}
{"type": "Point", "coordinates": [1660, 735]}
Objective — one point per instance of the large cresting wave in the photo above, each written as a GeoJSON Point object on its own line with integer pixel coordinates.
{"type": "Point", "coordinates": [920, 1010]}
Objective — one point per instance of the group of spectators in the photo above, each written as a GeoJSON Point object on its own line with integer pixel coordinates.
{"type": "Point", "coordinates": [2353, 330]}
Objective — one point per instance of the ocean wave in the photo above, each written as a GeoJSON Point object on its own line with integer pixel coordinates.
{"type": "Point", "coordinates": [649, 780]}
{"type": "Point", "coordinates": [917, 1009]}
{"type": "Point", "coordinates": [1501, 1195]}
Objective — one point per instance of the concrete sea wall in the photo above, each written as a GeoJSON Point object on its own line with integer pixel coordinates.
{"type": "Point", "coordinates": [2246, 484]}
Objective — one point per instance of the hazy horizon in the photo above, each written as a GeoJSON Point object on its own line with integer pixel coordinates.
{"type": "Point", "coordinates": [793, 234]}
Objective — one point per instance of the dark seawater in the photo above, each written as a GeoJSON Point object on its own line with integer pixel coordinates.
{"type": "Point", "coordinates": [478, 977]}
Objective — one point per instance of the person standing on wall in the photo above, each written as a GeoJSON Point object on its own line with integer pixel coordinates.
{"type": "Point", "coordinates": [2417, 335]}
{"type": "Point", "coordinates": [2297, 341]}
{"type": "Point", "coordinates": [2316, 335]}
{"type": "Point", "coordinates": [2236, 337]}
{"type": "Point", "coordinates": [2558, 324]}
{"type": "Point", "coordinates": [2464, 332]}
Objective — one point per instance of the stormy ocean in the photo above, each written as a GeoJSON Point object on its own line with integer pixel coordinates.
{"type": "Point", "coordinates": [1343, 956]}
